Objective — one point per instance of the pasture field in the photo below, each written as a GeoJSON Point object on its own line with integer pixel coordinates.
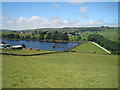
{"type": "Point", "coordinates": [61, 70]}
{"type": "Point", "coordinates": [110, 34]}
{"type": "Point", "coordinates": [88, 47]}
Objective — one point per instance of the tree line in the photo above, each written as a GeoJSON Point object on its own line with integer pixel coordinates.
{"type": "Point", "coordinates": [42, 36]}
{"type": "Point", "coordinates": [39, 36]}
{"type": "Point", "coordinates": [108, 44]}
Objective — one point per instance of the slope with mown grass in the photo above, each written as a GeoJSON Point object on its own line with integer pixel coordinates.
{"type": "Point", "coordinates": [62, 70]}
{"type": "Point", "coordinates": [24, 52]}
{"type": "Point", "coordinates": [89, 47]}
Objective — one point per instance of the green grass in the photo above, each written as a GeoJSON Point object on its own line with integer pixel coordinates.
{"type": "Point", "coordinates": [73, 38]}
{"type": "Point", "coordinates": [25, 51]}
{"type": "Point", "coordinates": [88, 47]}
{"type": "Point", "coordinates": [110, 34]}
{"type": "Point", "coordinates": [63, 70]}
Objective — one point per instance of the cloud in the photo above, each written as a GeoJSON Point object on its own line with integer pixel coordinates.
{"type": "Point", "coordinates": [60, 0]}
{"type": "Point", "coordinates": [37, 10]}
{"type": "Point", "coordinates": [25, 10]}
{"type": "Point", "coordinates": [73, 2]}
{"type": "Point", "coordinates": [84, 16]}
{"type": "Point", "coordinates": [1, 21]}
{"type": "Point", "coordinates": [109, 7]}
{"type": "Point", "coordinates": [54, 22]}
{"type": "Point", "coordinates": [1, 17]}
{"type": "Point", "coordinates": [57, 6]}
{"type": "Point", "coordinates": [84, 10]}
{"type": "Point", "coordinates": [97, 22]}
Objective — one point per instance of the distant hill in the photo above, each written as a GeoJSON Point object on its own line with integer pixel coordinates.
{"type": "Point", "coordinates": [66, 29]}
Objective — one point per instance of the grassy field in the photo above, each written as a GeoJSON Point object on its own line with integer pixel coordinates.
{"type": "Point", "coordinates": [88, 47]}
{"type": "Point", "coordinates": [62, 70]}
{"type": "Point", "coordinates": [110, 34]}
{"type": "Point", "coordinates": [24, 52]}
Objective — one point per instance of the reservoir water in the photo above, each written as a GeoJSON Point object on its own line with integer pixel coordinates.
{"type": "Point", "coordinates": [42, 45]}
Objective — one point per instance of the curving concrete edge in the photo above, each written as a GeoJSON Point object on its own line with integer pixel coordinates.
{"type": "Point", "coordinates": [101, 47]}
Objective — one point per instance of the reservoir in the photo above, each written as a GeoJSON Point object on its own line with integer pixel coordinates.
{"type": "Point", "coordinates": [42, 45]}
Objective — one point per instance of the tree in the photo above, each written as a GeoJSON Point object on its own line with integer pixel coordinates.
{"type": "Point", "coordinates": [39, 32]}
{"type": "Point", "coordinates": [23, 45]}
{"type": "Point", "coordinates": [22, 37]}
{"type": "Point", "coordinates": [108, 44]}
{"type": "Point", "coordinates": [35, 32]}
{"type": "Point", "coordinates": [73, 33]}
{"type": "Point", "coordinates": [102, 26]}
{"type": "Point", "coordinates": [49, 36]}
{"type": "Point", "coordinates": [17, 36]}
{"type": "Point", "coordinates": [34, 38]}
{"type": "Point", "coordinates": [55, 35]}
{"type": "Point", "coordinates": [64, 36]}
{"type": "Point", "coordinates": [41, 37]}
{"type": "Point", "coordinates": [10, 36]}
{"type": "Point", "coordinates": [27, 37]}
{"type": "Point", "coordinates": [78, 38]}
{"type": "Point", "coordinates": [43, 33]}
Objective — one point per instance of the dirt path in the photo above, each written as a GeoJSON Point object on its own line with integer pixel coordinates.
{"type": "Point", "coordinates": [101, 47]}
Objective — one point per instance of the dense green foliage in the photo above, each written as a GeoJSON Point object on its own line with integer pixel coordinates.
{"type": "Point", "coordinates": [39, 36]}
{"type": "Point", "coordinates": [108, 44]}
{"type": "Point", "coordinates": [23, 45]}
{"type": "Point", "coordinates": [10, 36]}
{"type": "Point", "coordinates": [57, 36]}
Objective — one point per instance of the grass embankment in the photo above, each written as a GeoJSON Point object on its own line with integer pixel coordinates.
{"type": "Point", "coordinates": [24, 52]}
{"type": "Point", "coordinates": [89, 47]}
{"type": "Point", "coordinates": [62, 70]}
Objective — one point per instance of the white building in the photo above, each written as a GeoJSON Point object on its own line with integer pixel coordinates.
{"type": "Point", "coordinates": [3, 45]}
{"type": "Point", "coordinates": [17, 47]}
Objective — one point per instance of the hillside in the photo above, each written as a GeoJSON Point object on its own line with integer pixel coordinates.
{"type": "Point", "coordinates": [109, 33]}
{"type": "Point", "coordinates": [62, 70]}
{"type": "Point", "coordinates": [66, 70]}
{"type": "Point", "coordinates": [89, 47]}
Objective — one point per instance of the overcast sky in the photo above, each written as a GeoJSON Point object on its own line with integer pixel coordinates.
{"type": "Point", "coordinates": [29, 15]}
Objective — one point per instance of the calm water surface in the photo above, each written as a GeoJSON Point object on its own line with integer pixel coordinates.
{"type": "Point", "coordinates": [41, 45]}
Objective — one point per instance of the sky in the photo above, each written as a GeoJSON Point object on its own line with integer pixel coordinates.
{"type": "Point", "coordinates": [31, 15]}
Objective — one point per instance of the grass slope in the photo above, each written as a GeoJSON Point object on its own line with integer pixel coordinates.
{"type": "Point", "coordinates": [24, 52]}
{"type": "Point", "coordinates": [88, 47]}
{"type": "Point", "coordinates": [63, 70]}
{"type": "Point", "coordinates": [110, 34]}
